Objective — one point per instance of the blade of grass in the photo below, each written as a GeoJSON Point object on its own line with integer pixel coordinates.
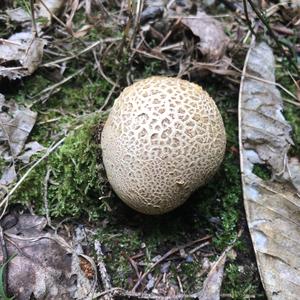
{"type": "Point", "coordinates": [2, 289]}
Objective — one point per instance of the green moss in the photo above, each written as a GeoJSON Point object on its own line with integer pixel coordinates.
{"type": "Point", "coordinates": [75, 182]}
{"type": "Point", "coordinates": [292, 114]}
{"type": "Point", "coordinates": [262, 171]}
{"type": "Point", "coordinates": [189, 273]}
{"type": "Point", "coordinates": [152, 68]}
{"type": "Point", "coordinates": [240, 282]}
{"type": "Point", "coordinates": [25, 4]}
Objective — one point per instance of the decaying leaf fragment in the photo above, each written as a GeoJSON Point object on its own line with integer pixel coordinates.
{"type": "Point", "coordinates": [16, 122]}
{"type": "Point", "coordinates": [20, 55]}
{"type": "Point", "coordinates": [213, 40]}
{"type": "Point", "coordinates": [213, 282]}
{"type": "Point", "coordinates": [47, 8]}
{"type": "Point", "coordinates": [45, 266]}
{"type": "Point", "coordinates": [272, 206]}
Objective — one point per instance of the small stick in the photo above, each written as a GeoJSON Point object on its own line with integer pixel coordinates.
{"type": "Point", "coordinates": [198, 247]}
{"type": "Point", "coordinates": [108, 97]}
{"type": "Point", "coordinates": [247, 18]}
{"type": "Point", "coordinates": [169, 32]}
{"type": "Point", "coordinates": [133, 264]}
{"type": "Point", "coordinates": [54, 86]}
{"type": "Point", "coordinates": [102, 269]}
{"type": "Point", "coordinates": [265, 81]}
{"type": "Point", "coordinates": [34, 28]}
{"type": "Point", "coordinates": [278, 43]}
{"type": "Point", "coordinates": [139, 8]}
{"type": "Point", "coordinates": [180, 284]}
{"type": "Point", "coordinates": [46, 180]}
{"type": "Point", "coordinates": [100, 70]}
{"type": "Point", "coordinates": [4, 260]}
{"type": "Point", "coordinates": [52, 14]}
{"type": "Point", "coordinates": [107, 40]}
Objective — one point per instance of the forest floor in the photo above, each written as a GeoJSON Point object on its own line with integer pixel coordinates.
{"type": "Point", "coordinates": [85, 66]}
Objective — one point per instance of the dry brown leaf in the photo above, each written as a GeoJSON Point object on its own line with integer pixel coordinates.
{"type": "Point", "coordinates": [272, 206]}
{"type": "Point", "coordinates": [213, 40]}
{"type": "Point", "coordinates": [16, 122]}
{"type": "Point", "coordinates": [45, 265]}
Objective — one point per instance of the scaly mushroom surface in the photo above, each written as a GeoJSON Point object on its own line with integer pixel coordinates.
{"type": "Point", "coordinates": [163, 139]}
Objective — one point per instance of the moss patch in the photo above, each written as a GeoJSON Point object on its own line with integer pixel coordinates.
{"type": "Point", "coordinates": [75, 181]}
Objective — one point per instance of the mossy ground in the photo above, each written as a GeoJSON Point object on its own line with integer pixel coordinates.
{"type": "Point", "coordinates": [77, 186]}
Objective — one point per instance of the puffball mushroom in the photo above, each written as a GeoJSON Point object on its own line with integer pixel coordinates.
{"type": "Point", "coordinates": [163, 139]}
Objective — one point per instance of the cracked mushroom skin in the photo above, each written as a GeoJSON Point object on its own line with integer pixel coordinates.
{"type": "Point", "coordinates": [163, 139]}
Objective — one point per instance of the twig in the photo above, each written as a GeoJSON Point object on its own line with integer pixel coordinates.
{"type": "Point", "coordinates": [110, 291]}
{"type": "Point", "coordinates": [87, 49]}
{"type": "Point", "coordinates": [169, 32]}
{"type": "Point", "coordinates": [52, 14]}
{"type": "Point", "coordinates": [169, 253]}
{"type": "Point", "coordinates": [102, 8]}
{"type": "Point", "coordinates": [180, 284]}
{"type": "Point", "coordinates": [88, 8]}
{"type": "Point", "coordinates": [119, 292]}
{"type": "Point", "coordinates": [4, 260]}
{"type": "Point", "coordinates": [244, 296]}
{"type": "Point", "coordinates": [139, 8]}
{"type": "Point", "coordinates": [102, 268]}
{"type": "Point", "coordinates": [101, 70]}
{"type": "Point", "coordinates": [147, 54]}
{"type": "Point", "coordinates": [108, 97]}
{"type": "Point", "coordinates": [279, 44]}
{"type": "Point", "coordinates": [198, 247]}
{"type": "Point", "coordinates": [247, 18]}
{"type": "Point", "coordinates": [54, 86]}
{"type": "Point", "coordinates": [46, 181]}
{"type": "Point", "coordinates": [34, 28]}
{"type": "Point", "coordinates": [245, 74]}
{"type": "Point", "coordinates": [133, 264]}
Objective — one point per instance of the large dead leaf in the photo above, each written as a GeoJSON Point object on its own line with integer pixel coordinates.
{"type": "Point", "coordinates": [213, 40]}
{"type": "Point", "coordinates": [272, 206]}
{"type": "Point", "coordinates": [45, 266]}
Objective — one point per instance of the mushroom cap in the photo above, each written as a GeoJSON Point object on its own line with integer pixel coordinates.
{"type": "Point", "coordinates": [163, 139]}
